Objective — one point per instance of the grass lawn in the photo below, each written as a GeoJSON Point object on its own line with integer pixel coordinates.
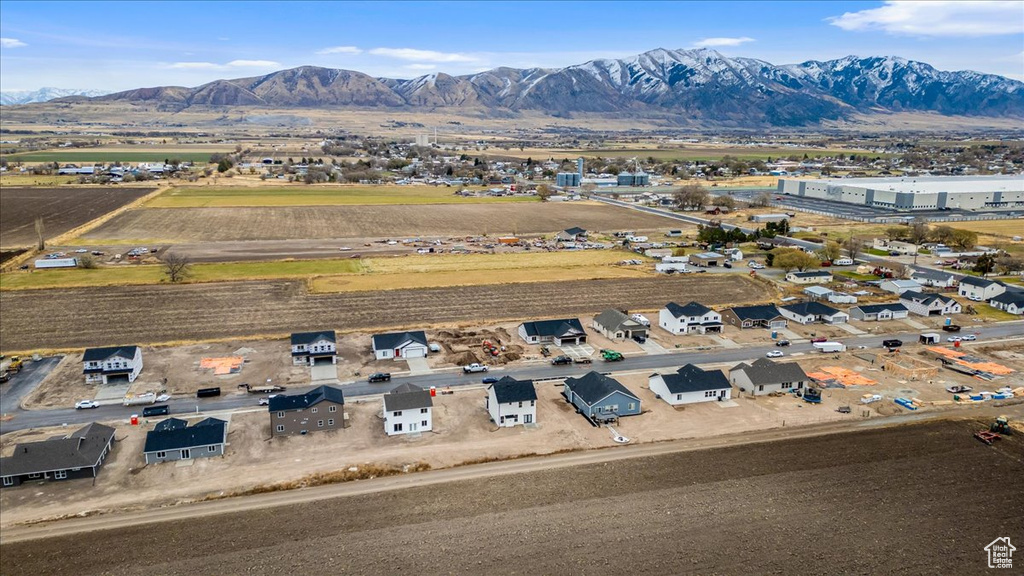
{"type": "Point", "coordinates": [986, 312]}
{"type": "Point", "coordinates": [855, 276]}
{"type": "Point", "coordinates": [33, 180]}
{"type": "Point", "coordinates": [876, 252]}
{"type": "Point", "coordinates": [318, 195]}
{"type": "Point", "coordinates": [477, 277]}
{"type": "Point", "coordinates": [79, 155]}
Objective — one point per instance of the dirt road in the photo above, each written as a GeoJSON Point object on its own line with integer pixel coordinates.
{"type": "Point", "coordinates": [873, 501]}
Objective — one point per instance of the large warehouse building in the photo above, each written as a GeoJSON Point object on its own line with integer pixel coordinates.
{"type": "Point", "coordinates": [916, 193]}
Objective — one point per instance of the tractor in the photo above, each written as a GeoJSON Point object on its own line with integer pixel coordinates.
{"type": "Point", "coordinates": [1001, 426]}
{"type": "Point", "coordinates": [611, 355]}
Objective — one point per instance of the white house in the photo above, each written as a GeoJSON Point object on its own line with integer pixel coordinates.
{"type": "Point", "coordinates": [693, 317]}
{"type": "Point", "coordinates": [408, 410]}
{"type": "Point", "coordinates": [511, 402]}
{"type": "Point", "coordinates": [810, 277]}
{"type": "Point", "coordinates": [934, 278]}
{"type": "Point", "coordinates": [894, 246]}
{"type": "Point", "coordinates": [924, 304]}
{"type": "Point", "coordinates": [400, 345]}
{"type": "Point", "coordinates": [879, 312]}
{"type": "Point", "coordinates": [810, 312]}
{"type": "Point", "coordinates": [734, 254]}
{"type": "Point", "coordinates": [114, 363]}
{"type": "Point", "coordinates": [900, 286]}
{"type": "Point", "coordinates": [310, 348]}
{"type": "Point", "coordinates": [690, 385]}
{"type": "Point", "coordinates": [558, 332]}
{"type": "Point", "coordinates": [980, 289]}
{"type": "Point", "coordinates": [842, 298]}
{"type": "Point", "coordinates": [817, 292]}
{"type": "Point", "coordinates": [1012, 302]}
{"type": "Point", "coordinates": [764, 377]}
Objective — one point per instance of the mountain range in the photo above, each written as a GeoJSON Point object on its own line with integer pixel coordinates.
{"type": "Point", "coordinates": [13, 97]}
{"type": "Point", "coordinates": [684, 86]}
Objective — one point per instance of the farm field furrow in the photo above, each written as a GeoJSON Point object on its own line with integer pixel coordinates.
{"type": "Point", "coordinates": [62, 209]}
{"type": "Point", "coordinates": [321, 195]}
{"type": "Point", "coordinates": [168, 225]}
{"type": "Point", "coordinates": [83, 317]}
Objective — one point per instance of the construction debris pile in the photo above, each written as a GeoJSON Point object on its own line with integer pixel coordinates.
{"type": "Point", "coordinates": [971, 365]}
{"type": "Point", "coordinates": [223, 366]}
{"type": "Point", "coordinates": [837, 377]}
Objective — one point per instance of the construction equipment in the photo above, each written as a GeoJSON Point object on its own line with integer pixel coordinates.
{"type": "Point", "coordinates": [987, 437]}
{"type": "Point", "coordinates": [1001, 426]}
{"type": "Point", "coordinates": [611, 355]}
{"type": "Point", "coordinates": [15, 365]}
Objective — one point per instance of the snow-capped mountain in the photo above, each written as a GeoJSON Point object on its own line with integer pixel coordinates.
{"type": "Point", "coordinates": [683, 86]}
{"type": "Point", "coordinates": [12, 97]}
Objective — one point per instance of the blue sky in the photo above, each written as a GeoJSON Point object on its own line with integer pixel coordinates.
{"type": "Point", "coordinates": [117, 46]}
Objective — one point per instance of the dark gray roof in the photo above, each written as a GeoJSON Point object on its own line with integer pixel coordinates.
{"type": "Point", "coordinates": [762, 312]}
{"type": "Point", "coordinates": [393, 340]}
{"type": "Point", "coordinates": [924, 297]}
{"type": "Point", "coordinates": [690, 309]}
{"type": "Point", "coordinates": [976, 281]}
{"type": "Point", "coordinates": [932, 274]}
{"type": "Point", "coordinates": [310, 337]}
{"type": "Point", "coordinates": [612, 319]}
{"type": "Point", "coordinates": [207, 432]}
{"type": "Point", "coordinates": [811, 308]}
{"type": "Point", "coordinates": [764, 371]}
{"type": "Point", "coordinates": [509, 389]}
{"type": "Point", "coordinates": [170, 424]}
{"type": "Point", "coordinates": [556, 328]}
{"type": "Point", "coordinates": [575, 231]}
{"type": "Point", "coordinates": [593, 387]}
{"type": "Point", "coordinates": [303, 401]}
{"type": "Point", "coordinates": [811, 273]}
{"type": "Point", "coordinates": [100, 354]}
{"type": "Point", "coordinates": [690, 378]}
{"type": "Point", "coordinates": [81, 449]}
{"type": "Point", "coordinates": [876, 308]}
{"type": "Point", "coordinates": [1009, 297]}
{"type": "Point", "coordinates": [407, 397]}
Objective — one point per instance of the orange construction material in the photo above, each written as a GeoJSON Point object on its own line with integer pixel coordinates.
{"type": "Point", "coordinates": [222, 366]}
{"type": "Point", "coordinates": [844, 376]}
{"type": "Point", "coordinates": [959, 358]}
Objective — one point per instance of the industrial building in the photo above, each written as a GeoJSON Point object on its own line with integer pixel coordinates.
{"type": "Point", "coordinates": [1002, 192]}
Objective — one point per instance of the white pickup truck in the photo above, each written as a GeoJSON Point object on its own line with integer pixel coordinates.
{"type": "Point", "coordinates": [474, 367]}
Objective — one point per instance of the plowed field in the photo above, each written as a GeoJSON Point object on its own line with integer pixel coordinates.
{"type": "Point", "coordinates": [85, 317]}
{"type": "Point", "coordinates": [309, 222]}
{"type": "Point", "coordinates": [61, 208]}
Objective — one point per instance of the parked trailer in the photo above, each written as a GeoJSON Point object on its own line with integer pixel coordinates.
{"type": "Point", "coordinates": [830, 347]}
{"type": "Point", "coordinates": [57, 263]}
{"type": "Point", "coordinates": [207, 392]}
{"type": "Point", "coordinates": [930, 338]}
{"type": "Point", "coordinates": [147, 398]}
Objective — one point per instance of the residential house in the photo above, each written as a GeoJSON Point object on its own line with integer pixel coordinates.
{"type": "Point", "coordinates": [311, 348]}
{"type": "Point", "coordinates": [817, 292]}
{"type": "Point", "coordinates": [408, 409]}
{"type": "Point", "coordinates": [842, 298]}
{"type": "Point", "coordinates": [600, 398]}
{"type": "Point", "coordinates": [900, 286]}
{"type": "Point", "coordinates": [557, 332]}
{"type": "Point", "coordinates": [174, 439]}
{"type": "Point", "coordinates": [616, 325]}
{"type": "Point", "coordinates": [690, 385]}
{"type": "Point", "coordinates": [762, 316]}
{"type": "Point", "coordinates": [927, 304]}
{"type": "Point", "coordinates": [980, 289]}
{"type": "Point", "coordinates": [1009, 301]}
{"type": "Point", "coordinates": [511, 402]}
{"type": "Point", "coordinates": [77, 455]}
{"type": "Point", "coordinates": [762, 376]}
{"type": "Point", "coordinates": [706, 259]}
{"type": "Point", "coordinates": [400, 345]}
{"type": "Point", "coordinates": [574, 234]}
{"type": "Point", "coordinates": [693, 317]}
{"type": "Point", "coordinates": [762, 218]}
{"type": "Point", "coordinates": [879, 312]}
{"type": "Point", "coordinates": [810, 312]}
{"type": "Point", "coordinates": [934, 278]}
{"type": "Point", "coordinates": [112, 364]}
{"type": "Point", "coordinates": [905, 248]}
{"type": "Point", "coordinates": [733, 254]}
{"type": "Point", "coordinates": [322, 408]}
{"type": "Point", "coordinates": [810, 277]}
{"type": "Point", "coordinates": [771, 243]}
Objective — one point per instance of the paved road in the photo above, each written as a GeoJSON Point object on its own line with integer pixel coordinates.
{"type": "Point", "coordinates": [32, 373]}
{"type": "Point", "coordinates": [539, 371]}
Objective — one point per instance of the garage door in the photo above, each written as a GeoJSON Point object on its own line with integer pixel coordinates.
{"type": "Point", "coordinates": [416, 352]}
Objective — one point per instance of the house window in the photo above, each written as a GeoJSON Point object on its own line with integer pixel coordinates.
{"type": "Point", "coordinates": [319, 423]}
{"type": "Point", "coordinates": [632, 405]}
{"type": "Point", "coordinates": [60, 474]}
{"type": "Point", "coordinates": [396, 413]}
{"type": "Point", "coordinates": [533, 402]}
{"type": "Point", "coordinates": [8, 480]}
{"type": "Point", "coordinates": [332, 409]}
{"type": "Point", "coordinates": [424, 424]}
{"type": "Point", "coordinates": [211, 448]}
{"type": "Point", "coordinates": [330, 421]}
{"type": "Point", "coordinates": [34, 476]}
{"type": "Point", "coordinates": [161, 454]}
{"type": "Point", "coordinates": [398, 427]}
{"type": "Point", "coordinates": [423, 410]}
{"type": "Point", "coordinates": [314, 410]}
{"type": "Point", "coordinates": [280, 428]}
{"type": "Point", "coordinates": [679, 396]}
{"type": "Point", "coordinates": [280, 414]}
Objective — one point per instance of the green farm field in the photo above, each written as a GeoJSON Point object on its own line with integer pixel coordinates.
{"type": "Point", "coordinates": [319, 195]}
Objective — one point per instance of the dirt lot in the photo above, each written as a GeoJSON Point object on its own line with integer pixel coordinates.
{"type": "Point", "coordinates": [61, 208]}
{"type": "Point", "coordinates": [308, 222]}
{"type": "Point", "coordinates": [59, 319]}
{"type": "Point", "coordinates": [874, 501]}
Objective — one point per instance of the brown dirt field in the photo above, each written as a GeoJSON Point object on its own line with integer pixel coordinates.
{"type": "Point", "coordinates": [62, 209]}
{"type": "Point", "coordinates": [84, 317]}
{"type": "Point", "coordinates": [866, 502]}
{"type": "Point", "coordinates": [309, 222]}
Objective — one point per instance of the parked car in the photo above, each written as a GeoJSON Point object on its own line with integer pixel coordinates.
{"type": "Point", "coordinates": [953, 339]}
{"type": "Point", "coordinates": [263, 401]}
{"type": "Point", "coordinates": [952, 328]}
{"type": "Point", "coordinates": [379, 377]}
{"type": "Point", "coordinates": [582, 360]}
{"type": "Point", "coordinates": [775, 354]}
{"type": "Point", "coordinates": [968, 337]}
{"type": "Point", "coordinates": [819, 339]}
{"type": "Point", "coordinates": [474, 367]}
{"type": "Point", "coordinates": [163, 398]}
{"type": "Point", "coordinates": [489, 380]}
{"type": "Point", "coordinates": [727, 264]}
{"type": "Point", "coordinates": [86, 404]}
{"type": "Point", "coordinates": [559, 360]}
{"type": "Point", "coordinates": [640, 339]}
{"type": "Point", "coordinates": [783, 343]}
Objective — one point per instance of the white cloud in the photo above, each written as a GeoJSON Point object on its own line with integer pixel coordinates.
{"type": "Point", "coordinates": [422, 55]}
{"type": "Point", "coordinates": [11, 43]}
{"type": "Point", "coordinates": [195, 66]}
{"type": "Point", "coordinates": [937, 18]}
{"type": "Point", "coordinates": [253, 64]}
{"type": "Point", "coordinates": [421, 66]}
{"type": "Point", "coordinates": [340, 50]}
{"type": "Point", "coordinates": [720, 42]}
{"type": "Point", "coordinates": [228, 66]}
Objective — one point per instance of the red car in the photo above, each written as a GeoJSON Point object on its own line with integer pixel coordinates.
{"type": "Point", "coordinates": [819, 339]}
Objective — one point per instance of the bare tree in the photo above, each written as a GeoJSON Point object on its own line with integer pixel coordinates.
{"type": "Point", "coordinates": [691, 197]}
{"type": "Point", "coordinates": [854, 246]}
{"type": "Point", "coordinates": [762, 200]}
{"type": "Point", "coordinates": [87, 261]}
{"type": "Point", "coordinates": [41, 232]}
{"type": "Point", "coordinates": [900, 271]}
{"type": "Point", "coordinates": [543, 192]}
{"type": "Point", "coordinates": [177, 267]}
{"type": "Point", "coordinates": [918, 232]}
{"type": "Point", "coordinates": [830, 250]}
{"type": "Point", "coordinates": [726, 203]}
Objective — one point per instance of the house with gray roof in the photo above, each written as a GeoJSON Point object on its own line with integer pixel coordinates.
{"type": "Point", "coordinates": [810, 277]}
{"type": "Point", "coordinates": [897, 286]}
{"type": "Point", "coordinates": [1009, 301]}
{"type": "Point", "coordinates": [689, 385]}
{"type": "Point", "coordinates": [76, 455]}
{"type": "Point", "coordinates": [762, 316]}
{"type": "Point", "coordinates": [112, 364]}
{"type": "Point", "coordinates": [980, 289]}
{"type": "Point", "coordinates": [762, 376]}
{"type": "Point", "coordinates": [400, 345]}
{"type": "Point", "coordinates": [408, 409]}
{"type": "Point", "coordinates": [312, 348]}
{"type": "Point", "coordinates": [811, 312]}
{"type": "Point", "coordinates": [706, 259]}
{"type": "Point", "coordinates": [511, 402]}
{"type": "Point", "coordinates": [929, 304]}
{"type": "Point", "coordinates": [616, 325]}
{"type": "Point", "coordinates": [173, 439]}
{"type": "Point", "coordinates": [557, 332]}
{"type": "Point", "coordinates": [690, 318]}
{"type": "Point", "coordinates": [574, 234]}
{"type": "Point", "coordinates": [600, 398]}
{"type": "Point", "coordinates": [934, 278]}
{"type": "Point", "coordinates": [322, 408]}
{"type": "Point", "coordinates": [879, 312]}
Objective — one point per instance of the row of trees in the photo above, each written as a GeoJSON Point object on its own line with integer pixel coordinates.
{"type": "Point", "coordinates": [919, 231]}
